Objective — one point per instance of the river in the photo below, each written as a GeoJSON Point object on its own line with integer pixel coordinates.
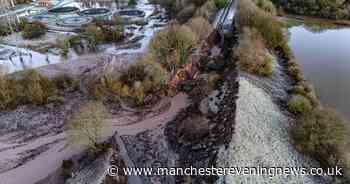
{"type": "Point", "coordinates": [323, 51]}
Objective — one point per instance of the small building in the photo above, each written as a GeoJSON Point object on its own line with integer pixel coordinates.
{"type": "Point", "coordinates": [47, 3]}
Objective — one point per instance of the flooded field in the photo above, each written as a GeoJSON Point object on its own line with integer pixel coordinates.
{"type": "Point", "coordinates": [323, 51]}
{"type": "Point", "coordinates": [67, 16]}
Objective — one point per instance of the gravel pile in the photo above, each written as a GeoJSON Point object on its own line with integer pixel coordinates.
{"type": "Point", "coordinates": [261, 139]}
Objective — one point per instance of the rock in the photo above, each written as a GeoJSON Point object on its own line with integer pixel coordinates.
{"type": "Point", "coordinates": [204, 106]}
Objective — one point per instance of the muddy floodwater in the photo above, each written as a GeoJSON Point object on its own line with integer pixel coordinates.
{"type": "Point", "coordinates": [16, 54]}
{"type": "Point", "coordinates": [323, 52]}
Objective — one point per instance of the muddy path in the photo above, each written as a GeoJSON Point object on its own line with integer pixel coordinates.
{"type": "Point", "coordinates": [32, 160]}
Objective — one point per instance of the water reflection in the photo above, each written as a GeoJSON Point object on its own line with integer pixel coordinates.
{"type": "Point", "coordinates": [324, 54]}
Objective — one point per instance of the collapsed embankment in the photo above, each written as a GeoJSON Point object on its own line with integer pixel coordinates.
{"type": "Point", "coordinates": [206, 126]}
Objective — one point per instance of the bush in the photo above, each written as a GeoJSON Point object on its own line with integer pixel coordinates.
{"type": "Point", "coordinates": [94, 35]}
{"type": "Point", "coordinates": [21, 24]}
{"type": "Point", "coordinates": [85, 127]}
{"type": "Point", "coordinates": [34, 30]}
{"type": "Point", "coordinates": [321, 134]}
{"type": "Point", "coordinates": [173, 46]}
{"type": "Point", "coordinates": [333, 9]}
{"type": "Point", "coordinates": [186, 13]}
{"type": "Point", "coordinates": [28, 87]}
{"type": "Point", "coordinates": [98, 33]}
{"type": "Point", "coordinates": [37, 88]}
{"type": "Point", "coordinates": [298, 104]}
{"type": "Point", "coordinates": [295, 72]}
{"type": "Point", "coordinates": [207, 11]}
{"type": "Point", "coordinates": [267, 6]}
{"type": "Point", "coordinates": [249, 15]}
{"type": "Point", "coordinates": [4, 30]}
{"type": "Point", "coordinates": [170, 5]}
{"type": "Point", "coordinates": [201, 27]}
{"type": "Point", "coordinates": [6, 97]}
{"type": "Point", "coordinates": [252, 54]}
{"type": "Point", "coordinates": [144, 79]}
{"type": "Point", "coordinates": [65, 82]}
{"type": "Point", "coordinates": [132, 2]}
{"type": "Point", "coordinates": [112, 34]}
{"type": "Point", "coordinates": [67, 169]}
{"type": "Point", "coordinates": [221, 3]}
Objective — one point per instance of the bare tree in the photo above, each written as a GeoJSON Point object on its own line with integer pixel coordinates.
{"type": "Point", "coordinates": [85, 127]}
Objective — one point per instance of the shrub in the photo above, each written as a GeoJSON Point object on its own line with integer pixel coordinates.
{"type": "Point", "coordinates": [37, 88]}
{"type": "Point", "coordinates": [21, 24]}
{"type": "Point", "coordinates": [298, 104]}
{"type": "Point", "coordinates": [28, 87]}
{"type": "Point", "coordinates": [173, 46]}
{"type": "Point", "coordinates": [67, 169]}
{"type": "Point", "coordinates": [4, 30]}
{"type": "Point", "coordinates": [85, 127]}
{"type": "Point", "coordinates": [267, 6]}
{"type": "Point", "coordinates": [5, 93]}
{"type": "Point", "coordinates": [321, 134]}
{"type": "Point", "coordinates": [112, 34]}
{"type": "Point", "coordinates": [295, 72]}
{"type": "Point", "coordinates": [207, 11]}
{"type": "Point", "coordinates": [186, 13]}
{"type": "Point", "coordinates": [64, 82]}
{"type": "Point", "coordinates": [221, 3]}
{"type": "Point", "coordinates": [249, 15]}
{"type": "Point", "coordinates": [94, 35]}
{"type": "Point", "coordinates": [64, 45]}
{"type": "Point", "coordinates": [252, 54]}
{"type": "Point", "coordinates": [201, 27]}
{"type": "Point", "coordinates": [333, 9]}
{"type": "Point", "coordinates": [34, 30]}
{"type": "Point", "coordinates": [99, 33]}
{"type": "Point", "coordinates": [170, 5]}
{"type": "Point", "coordinates": [132, 2]}
{"type": "Point", "coordinates": [144, 79]}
